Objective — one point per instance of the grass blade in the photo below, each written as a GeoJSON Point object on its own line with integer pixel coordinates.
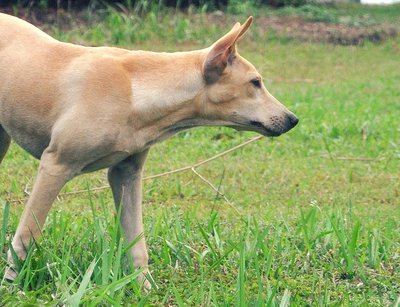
{"type": "Point", "coordinates": [241, 278]}
{"type": "Point", "coordinates": [285, 302]}
{"type": "Point", "coordinates": [6, 213]}
{"type": "Point", "coordinates": [75, 299]}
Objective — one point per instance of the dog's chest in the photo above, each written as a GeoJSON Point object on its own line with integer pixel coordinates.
{"type": "Point", "coordinates": [106, 161]}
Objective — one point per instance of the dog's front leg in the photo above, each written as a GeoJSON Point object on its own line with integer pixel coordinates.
{"type": "Point", "coordinates": [52, 176]}
{"type": "Point", "coordinates": [125, 179]}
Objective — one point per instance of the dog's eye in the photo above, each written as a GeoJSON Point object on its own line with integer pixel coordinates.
{"type": "Point", "coordinates": [256, 83]}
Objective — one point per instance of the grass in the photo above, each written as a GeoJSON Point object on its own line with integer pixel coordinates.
{"type": "Point", "coordinates": [320, 222]}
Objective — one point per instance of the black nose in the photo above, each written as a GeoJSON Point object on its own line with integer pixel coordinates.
{"type": "Point", "coordinates": [293, 120]}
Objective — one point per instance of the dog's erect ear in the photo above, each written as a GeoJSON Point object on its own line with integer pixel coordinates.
{"type": "Point", "coordinates": [223, 51]}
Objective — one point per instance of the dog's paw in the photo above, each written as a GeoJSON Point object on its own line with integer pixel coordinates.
{"type": "Point", "coordinates": [10, 274]}
{"type": "Point", "coordinates": [146, 286]}
{"type": "Point", "coordinates": [143, 282]}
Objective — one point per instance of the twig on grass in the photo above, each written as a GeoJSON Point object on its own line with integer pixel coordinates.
{"type": "Point", "coordinates": [365, 159]}
{"type": "Point", "coordinates": [189, 167]}
{"type": "Point", "coordinates": [216, 190]}
{"type": "Point", "coordinates": [179, 170]}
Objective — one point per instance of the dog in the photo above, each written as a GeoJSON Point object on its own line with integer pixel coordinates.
{"type": "Point", "coordinates": [80, 109]}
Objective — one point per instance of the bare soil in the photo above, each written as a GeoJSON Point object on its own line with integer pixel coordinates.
{"type": "Point", "coordinates": [329, 32]}
{"type": "Point", "coordinates": [333, 33]}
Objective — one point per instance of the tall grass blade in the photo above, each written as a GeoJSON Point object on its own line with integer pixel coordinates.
{"type": "Point", "coordinates": [241, 278]}
{"type": "Point", "coordinates": [285, 302]}
{"type": "Point", "coordinates": [6, 213]}
{"type": "Point", "coordinates": [75, 299]}
{"type": "Point", "coordinates": [177, 296]}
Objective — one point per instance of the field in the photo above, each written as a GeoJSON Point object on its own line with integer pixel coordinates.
{"type": "Point", "coordinates": [313, 216]}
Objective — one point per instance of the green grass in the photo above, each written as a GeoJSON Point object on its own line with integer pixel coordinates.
{"type": "Point", "coordinates": [317, 226]}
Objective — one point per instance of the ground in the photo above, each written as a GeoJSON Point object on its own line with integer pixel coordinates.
{"type": "Point", "coordinates": [319, 211]}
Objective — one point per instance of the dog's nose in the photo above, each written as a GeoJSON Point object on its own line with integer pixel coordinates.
{"type": "Point", "coordinates": [293, 120]}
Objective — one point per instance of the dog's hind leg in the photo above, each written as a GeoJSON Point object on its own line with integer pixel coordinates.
{"type": "Point", "coordinates": [52, 176]}
{"type": "Point", "coordinates": [125, 180]}
{"type": "Point", "coordinates": [5, 141]}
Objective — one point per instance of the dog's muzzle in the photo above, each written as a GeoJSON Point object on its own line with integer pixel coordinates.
{"type": "Point", "coordinates": [277, 127]}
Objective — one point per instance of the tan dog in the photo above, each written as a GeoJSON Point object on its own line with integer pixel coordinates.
{"type": "Point", "coordinates": [80, 109]}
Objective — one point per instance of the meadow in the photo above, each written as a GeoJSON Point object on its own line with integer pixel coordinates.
{"type": "Point", "coordinates": [313, 217]}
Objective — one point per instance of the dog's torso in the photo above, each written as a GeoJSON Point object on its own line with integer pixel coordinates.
{"type": "Point", "coordinates": [42, 84]}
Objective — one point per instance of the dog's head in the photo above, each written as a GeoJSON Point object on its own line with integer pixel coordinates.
{"type": "Point", "coordinates": [235, 94]}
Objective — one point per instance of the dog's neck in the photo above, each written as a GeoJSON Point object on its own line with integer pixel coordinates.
{"type": "Point", "coordinates": [166, 92]}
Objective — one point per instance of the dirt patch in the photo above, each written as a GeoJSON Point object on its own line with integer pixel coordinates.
{"type": "Point", "coordinates": [304, 30]}
{"type": "Point", "coordinates": [328, 32]}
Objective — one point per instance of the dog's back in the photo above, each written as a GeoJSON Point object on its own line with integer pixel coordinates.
{"type": "Point", "coordinates": [13, 30]}
{"type": "Point", "coordinates": [28, 58]}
